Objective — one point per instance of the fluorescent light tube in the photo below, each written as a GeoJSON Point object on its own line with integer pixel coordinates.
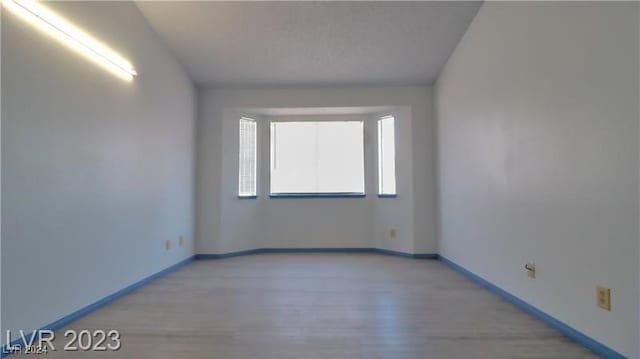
{"type": "Point", "coordinates": [71, 36]}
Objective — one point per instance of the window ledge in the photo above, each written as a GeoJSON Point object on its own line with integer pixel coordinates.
{"type": "Point", "coordinates": [318, 195]}
{"type": "Point", "coordinates": [387, 196]}
{"type": "Point", "coordinates": [247, 197]}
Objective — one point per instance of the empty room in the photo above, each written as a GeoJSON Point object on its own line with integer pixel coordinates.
{"type": "Point", "coordinates": [320, 179]}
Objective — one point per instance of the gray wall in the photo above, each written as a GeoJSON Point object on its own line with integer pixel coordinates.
{"type": "Point", "coordinates": [538, 151]}
{"type": "Point", "coordinates": [97, 172]}
{"type": "Point", "coordinates": [314, 222]}
{"type": "Point", "coordinates": [288, 222]}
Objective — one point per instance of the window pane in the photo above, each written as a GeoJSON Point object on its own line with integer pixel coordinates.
{"type": "Point", "coordinates": [317, 157]}
{"type": "Point", "coordinates": [248, 158]}
{"type": "Point", "coordinates": [386, 156]}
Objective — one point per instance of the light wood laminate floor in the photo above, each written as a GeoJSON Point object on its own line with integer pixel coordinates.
{"type": "Point", "coordinates": [286, 306]}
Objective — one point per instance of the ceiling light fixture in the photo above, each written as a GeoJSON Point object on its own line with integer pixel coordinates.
{"type": "Point", "coordinates": [71, 36]}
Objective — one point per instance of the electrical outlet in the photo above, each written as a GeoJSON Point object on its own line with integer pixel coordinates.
{"type": "Point", "coordinates": [181, 240]}
{"type": "Point", "coordinates": [392, 233]}
{"type": "Point", "coordinates": [167, 245]}
{"type": "Point", "coordinates": [603, 297]}
{"type": "Point", "coordinates": [531, 269]}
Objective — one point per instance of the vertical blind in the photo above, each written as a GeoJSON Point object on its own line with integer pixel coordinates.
{"type": "Point", "coordinates": [248, 158]}
{"type": "Point", "coordinates": [386, 156]}
{"type": "Point", "coordinates": [317, 157]}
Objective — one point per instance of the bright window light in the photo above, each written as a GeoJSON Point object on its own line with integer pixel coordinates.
{"type": "Point", "coordinates": [247, 169]}
{"type": "Point", "coordinates": [71, 36]}
{"type": "Point", "coordinates": [386, 156]}
{"type": "Point", "coordinates": [317, 158]}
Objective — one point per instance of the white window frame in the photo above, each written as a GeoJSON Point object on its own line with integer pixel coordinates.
{"type": "Point", "coordinates": [380, 150]}
{"type": "Point", "coordinates": [317, 194]}
{"type": "Point", "coordinates": [254, 193]}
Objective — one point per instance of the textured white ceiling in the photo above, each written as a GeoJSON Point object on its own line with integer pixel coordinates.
{"type": "Point", "coordinates": [311, 43]}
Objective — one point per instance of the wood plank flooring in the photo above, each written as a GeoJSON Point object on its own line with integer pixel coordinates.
{"type": "Point", "coordinates": [325, 306]}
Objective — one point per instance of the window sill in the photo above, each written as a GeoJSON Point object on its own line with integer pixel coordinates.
{"type": "Point", "coordinates": [387, 196]}
{"type": "Point", "coordinates": [247, 197]}
{"type": "Point", "coordinates": [318, 195]}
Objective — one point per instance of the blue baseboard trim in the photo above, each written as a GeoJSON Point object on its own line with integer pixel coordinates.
{"type": "Point", "coordinates": [60, 323]}
{"type": "Point", "coordinates": [227, 255]}
{"type": "Point", "coordinates": [317, 250]}
{"type": "Point", "coordinates": [572, 333]}
{"type": "Point", "coordinates": [406, 255]}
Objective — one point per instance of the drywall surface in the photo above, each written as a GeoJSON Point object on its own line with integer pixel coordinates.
{"type": "Point", "coordinates": [97, 172]}
{"type": "Point", "coordinates": [314, 222]}
{"type": "Point", "coordinates": [399, 213]}
{"type": "Point", "coordinates": [538, 156]}
{"type": "Point", "coordinates": [305, 223]}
